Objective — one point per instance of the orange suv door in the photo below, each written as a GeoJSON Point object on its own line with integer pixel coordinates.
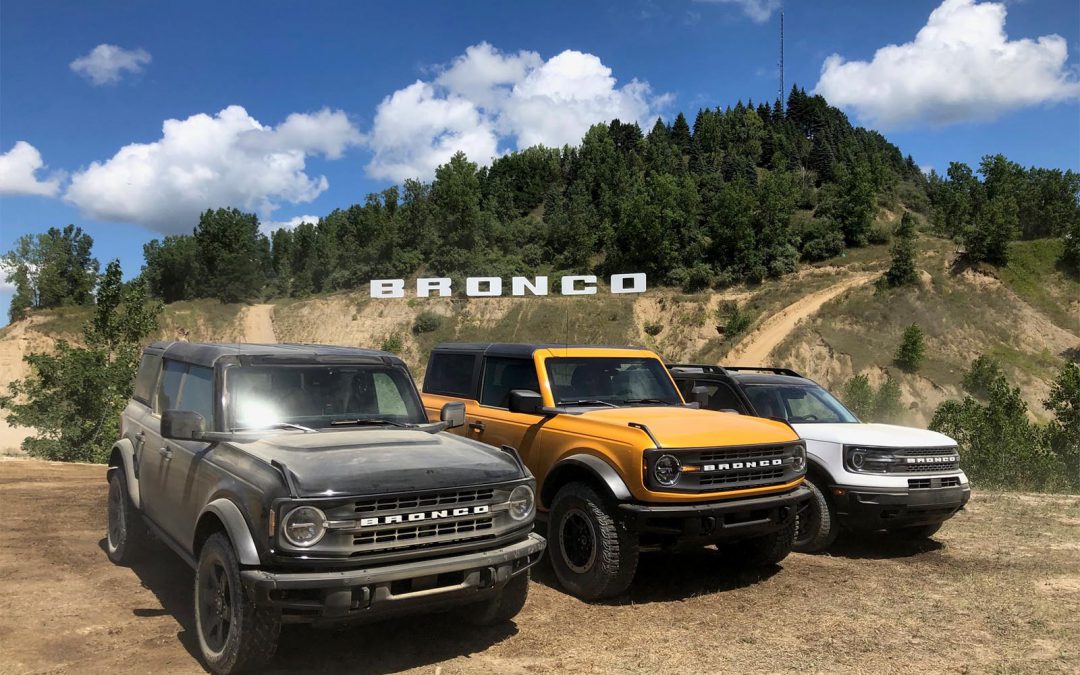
{"type": "Point", "coordinates": [490, 420]}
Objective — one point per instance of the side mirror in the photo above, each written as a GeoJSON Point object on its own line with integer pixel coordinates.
{"type": "Point", "coordinates": [453, 414]}
{"type": "Point", "coordinates": [527, 402]}
{"type": "Point", "coordinates": [182, 425]}
{"type": "Point", "coordinates": [701, 396]}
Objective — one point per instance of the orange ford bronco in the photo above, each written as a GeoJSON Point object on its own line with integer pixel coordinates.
{"type": "Point", "coordinates": [622, 463]}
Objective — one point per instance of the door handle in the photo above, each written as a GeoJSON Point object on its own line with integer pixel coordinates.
{"type": "Point", "coordinates": [477, 425]}
{"type": "Point", "coordinates": [165, 452]}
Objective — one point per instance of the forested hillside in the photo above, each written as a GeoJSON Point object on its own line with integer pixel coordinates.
{"type": "Point", "coordinates": [744, 194]}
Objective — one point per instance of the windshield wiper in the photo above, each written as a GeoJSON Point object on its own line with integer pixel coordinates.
{"type": "Point", "coordinates": [658, 401]}
{"type": "Point", "coordinates": [590, 401]}
{"type": "Point", "coordinates": [277, 425]}
{"type": "Point", "coordinates": [363, 422]}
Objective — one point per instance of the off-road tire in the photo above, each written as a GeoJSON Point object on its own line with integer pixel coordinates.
{"type": "Point", "coordinates": [501, 608]}
{"type": "Point", "coordinates": [613, 557]}
{"type": "Point", "coordinates": [765, 550]}
{"type": "Point", "coordinates": [916, 532]}
{"type": "Point", "coordinates": [818, 527]}
{"type": "Point", "coordinates": [125, 533]}
{"type": "Point", "coordinates": [251, 634]}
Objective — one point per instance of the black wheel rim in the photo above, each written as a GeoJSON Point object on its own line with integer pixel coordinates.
{"type": "Point", "coordinates": [809, 519]}
{"type": "Point", "coordinates": [117, 527]}
{"type": "Point", "coordinates": [215, 606]}
{"type": "Point", "coordinates": [577, 537]}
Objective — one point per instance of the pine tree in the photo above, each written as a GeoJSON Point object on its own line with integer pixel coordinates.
{"type": "Point", "coordinates": [902, 270]}
{"type": "Point", "coordinates": [909, 355]}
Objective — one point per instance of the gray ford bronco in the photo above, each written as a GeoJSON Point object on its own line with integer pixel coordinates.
{"type": "Point", "coordinates": [304, 484]}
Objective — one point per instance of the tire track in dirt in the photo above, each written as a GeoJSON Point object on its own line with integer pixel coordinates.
{"type": "Point", "coordinates": [258, 324]}
{"type": "Point", "coordinates": [754, 349]}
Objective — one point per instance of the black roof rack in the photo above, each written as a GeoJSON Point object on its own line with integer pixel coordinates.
{"type": "Point", "coordinates": [764, 369]}
{"type": "Point", "coordinates": [703, 367]}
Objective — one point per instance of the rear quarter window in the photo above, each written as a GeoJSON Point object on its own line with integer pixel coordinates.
{"type": "Point", "coordinates": [451, 375]}
{"type": "Point", "coordinates": [146, 378]}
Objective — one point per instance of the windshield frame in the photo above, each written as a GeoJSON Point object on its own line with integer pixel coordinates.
{"type": "Point", "coordinates": [653, 364]}
{"type": "Point", "coordinates": [823, 395]}
{"type": "Point", "coordinates": [410, 396]}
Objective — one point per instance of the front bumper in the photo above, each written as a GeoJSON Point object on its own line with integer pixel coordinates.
{"type": "Point", "coordinates": [863, 508]}
{"type": "Point", "coordinates": [428, 585]}
{"type": "Point", "coordinates": [716, 521]}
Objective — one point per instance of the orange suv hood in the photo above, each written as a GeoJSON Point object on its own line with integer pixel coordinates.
{"type": "Point", "coordinates": [677, 427]}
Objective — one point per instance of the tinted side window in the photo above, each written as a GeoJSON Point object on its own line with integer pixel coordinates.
{"type": "Point", "coordinates": [450, 374]}
{"type": "Point", "coordinates": [197, 393]}
{"type": "Point", "coordinates": [501, 376]}
{"type": "Point", "coordinates": [147, 378]}
{"type": "Point", "coordinates": [168, 396]}
{"type": "Point", "coordinates": [721, 397]}
{"type": "Point", "coordinates": [686, 388]}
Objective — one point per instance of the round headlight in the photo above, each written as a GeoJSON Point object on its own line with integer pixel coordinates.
{"type": "Point", "coordinates": [304, 526]}
{"type": "Point", "coordinates": [522, 502]}
{"type": "Point", "coordinates": [666, 470]}
{"type": "Point", "coordinates": [798, 461]}
{"type": "Point", "coordinates": [858, 458]}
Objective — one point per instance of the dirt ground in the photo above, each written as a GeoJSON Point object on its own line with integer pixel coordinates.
{"type": "Point", "coordinates": [998, 590]}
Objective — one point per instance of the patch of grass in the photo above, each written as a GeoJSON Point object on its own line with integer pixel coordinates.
{"type": "Point", "coordinates": [64, 322]}
{"type": "Point", "coordinates": [1034, 275]}
{"type": "Point", "coordinates": [205, 319]}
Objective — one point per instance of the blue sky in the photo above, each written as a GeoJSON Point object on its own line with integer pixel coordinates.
{"type": "Point", "coordinates": [276, 59]}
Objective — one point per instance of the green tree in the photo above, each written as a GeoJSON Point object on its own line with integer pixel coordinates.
{"type": "Point", "coordinates": [74, 395]}
{"type": "Point", "coordinates": [887, 405]}
{"type": "Point", "coordinates": [1063, 434]}
{"type": "Point", "coordinates": [994, 226]}
{"type": "Point", "coordinates": [172, 270]}
{"type": "Point", "coordinates": [902, 269]}
{"type": "Point", "coordinates": [984, 374]}
{"type": "Point", "coordinates": [909, 355]}
{"type": "Point", "coordinates": [858, 395]}
{"type": "Point", "coordinates": [233, 254]}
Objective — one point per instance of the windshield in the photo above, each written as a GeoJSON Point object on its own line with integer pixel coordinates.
{"type": "Point", "coordinates": [259, 397]}
{"type": "Point", "coordinates": [610, 381]}
{"type": "Point", "coordinates": [798, 403]}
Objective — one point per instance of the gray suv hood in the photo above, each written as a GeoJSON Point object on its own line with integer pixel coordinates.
{"type": "Point", "coordinates": [382, 461]}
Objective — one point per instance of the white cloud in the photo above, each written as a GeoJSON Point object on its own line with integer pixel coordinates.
{"type": "Point", "coordinates": [758, 11]}
{"type": "Point", "coordinates": [105, 64]}
{"type": "Point", "coordinates": [18, 169]}
{"type": "Point", "coordinates": [485, 99]}
{"type": "Point", "coordinates": [204, 161]}
{"type": "Point", "coordinates": [961, 66]}
{"type": "Point", "coordinates": [290, 224]}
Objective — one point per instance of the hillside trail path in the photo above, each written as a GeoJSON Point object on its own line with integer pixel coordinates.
{"type": "Point", "coordinates": [754, 349]}
{"type": "Point", "coordinates": [258, 324]}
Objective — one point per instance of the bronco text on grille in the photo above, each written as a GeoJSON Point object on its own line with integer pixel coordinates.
{"type": "Point", "coordinates": [711, 469]}
{"type": "Point", "coordinates": [403, 523]}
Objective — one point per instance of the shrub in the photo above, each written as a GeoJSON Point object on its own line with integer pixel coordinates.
{"type": "Point", "coordinates": [858, 395]}
{"type": "Point", "coordinates": [653, 329]}
{"type": "Point", "coordinates": [887, 406]}
{"type": "Point", "coordinates": [909, 355]}
{"type": "Point", "coordinates": [902, 270]}
{"type": "Point", "coordinates": [73, 397]}
{"type": "Point", "coordinates": [980, 379]}
{"type": "Point", "coordinates": [735, 319]}
{"type": "Point", "coordinates": [393, 344]}
{"type": "Point", "coordinates": [426, 322]}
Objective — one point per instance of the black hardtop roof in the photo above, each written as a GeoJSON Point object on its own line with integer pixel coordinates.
{"type": "Point", "coordinates": [744, 374]}
{"type": "Point", "coordinates": [523, 349]}
{"type": "Point", "coordinates": [207, 353]}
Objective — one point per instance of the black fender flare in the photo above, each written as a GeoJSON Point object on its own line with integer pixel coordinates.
{"type": "Point", "coordinates": [599, 468]}
{"type": "Point", "coordinates": [123, 459]}
{"type": "Point", "coordinates": [236, 527]}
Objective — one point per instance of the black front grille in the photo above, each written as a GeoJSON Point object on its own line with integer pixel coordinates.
{"type": "Point", "coordinates": [421, 501]}
{"type": "Point", "coordinates": [903, 466]}
{"type": "Point", "coordinates": [752, 475]}
{"type": "Point", "coordinates": [416, 533]}
{"type": "Point", "coordinates": [727, 455]}
{"type": "Point", "coordinates": [930, 483]}
{"type": "Point", "coordinates": [732, 468]}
